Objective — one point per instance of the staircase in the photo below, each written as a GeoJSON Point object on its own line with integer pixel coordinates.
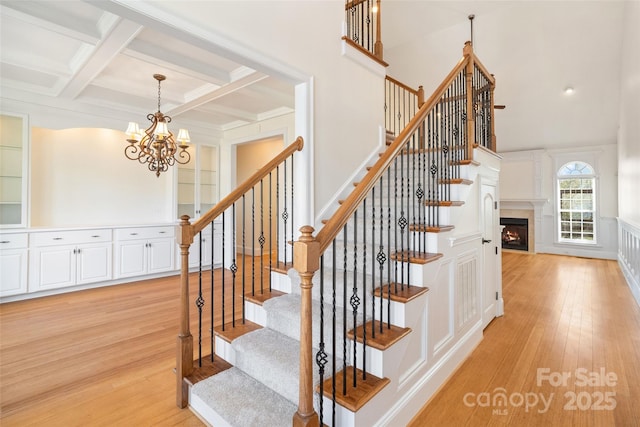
{"type": "Point", "coordinates": [382, 305]}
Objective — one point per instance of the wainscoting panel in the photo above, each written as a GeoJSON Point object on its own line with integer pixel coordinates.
{"type": "Point", "coordinates": [629, 255]}
{"type": "Point", "coordinates": [467, 292]}
{"type": "Point", "coordinates": [441, 307]}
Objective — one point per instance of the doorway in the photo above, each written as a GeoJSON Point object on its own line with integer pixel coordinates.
{"type": "Point", "coordinates": [251, 221]}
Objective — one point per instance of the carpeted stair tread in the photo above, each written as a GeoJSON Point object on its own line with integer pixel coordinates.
{"type": "Point", "coordinates": [244, 402]}
{"type": "Point", "coordinates": [283, 315]}
{"type": "Point", "coordinates": [271, 358]}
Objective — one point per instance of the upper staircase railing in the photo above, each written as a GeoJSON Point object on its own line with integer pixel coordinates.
{"type": "Point", "coordinates": [401, 103]}
{"type": "Point", "coordinates": [363, 29]}
{"type": "Point", "coordinates": [247, 233]}
{"type": "Point", "coordinates": [364, 250]}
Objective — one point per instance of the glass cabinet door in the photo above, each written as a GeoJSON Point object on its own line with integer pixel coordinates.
{"type": "Point", "coordinates": [198, 181]}
{"type": "Point", "coordinates": [187, 186]}
{"type": "Point", "coordinates": [13, 165]}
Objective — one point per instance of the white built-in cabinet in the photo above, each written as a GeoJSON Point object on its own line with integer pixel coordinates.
{"type": "Point", "coordinates": [144, 250]}
{"type": "Point", "coordinates": [67, 258]}
{"type": "Point", "coordinates": [13, 263]}
{"type": "Point", "coordinates": [14, 162]}
{"type": "Point", "coordinates": [197, 186]}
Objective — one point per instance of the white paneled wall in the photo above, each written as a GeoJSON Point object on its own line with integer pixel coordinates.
{"type": "Point", "coordinates": [629, 255]}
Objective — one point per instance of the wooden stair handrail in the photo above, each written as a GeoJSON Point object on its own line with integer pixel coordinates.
{"type": "Point", "coordinates": [236, 194]}
{"type": "Point", "coordinates": [402, 85]}
{"type": "Point", "coordinates": [331, 229]}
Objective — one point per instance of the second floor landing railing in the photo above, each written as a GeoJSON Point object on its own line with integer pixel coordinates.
{"type": "Point", "coordinates": [363, 26]}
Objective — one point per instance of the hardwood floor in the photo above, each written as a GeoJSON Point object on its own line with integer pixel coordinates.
{"type": "Point", "coordinates": [563, 314]}
{"type": "Point", "coordinates": [105, 357]}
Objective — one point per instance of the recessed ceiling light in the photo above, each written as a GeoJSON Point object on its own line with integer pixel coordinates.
{"type": "Point", "coordinates": [568, 90]}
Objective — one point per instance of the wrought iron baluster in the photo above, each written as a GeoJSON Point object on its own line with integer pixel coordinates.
{"type": "Point", "coordinates": [292, 205]}
{"type": "Point", "coordinates": [388, 246]}
{"type": "Point", "coordinates": [381, 257]}
{"type": "Point", "coordinates": [364, 289]}
{"type": "Point", "coordinates": [354, 301]}
{"type": "Point", "coordinates": [234, 267]}
{"type": "Point", "coordinates": [373, 264]}
{"type": "Point", "coordinates": [223, 268]}
{"type": "Point", "coordinates": [334, 331]}
{"type": "Point", "coordinates": [261, 239]}
{"type": "Point", "coordinates": [402, 222]}
{"type": "Point", "coordinates": [212, 280]}
{"type": "Point", "coordinates": [321, 355]}
{"type": "Point", "coordinates": [277, 214]}
{"type": "Point", "coordinates": [344, 314]}
{"type": "Point", "coordinates": [285, 214]}
{"type": "Point", "coordinates": [270, 230]}
{"type": "Point", "coordinates": [200, 300]}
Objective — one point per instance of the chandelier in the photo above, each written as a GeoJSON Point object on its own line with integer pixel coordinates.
{"type": "Point", "coordinates": [156, 147]}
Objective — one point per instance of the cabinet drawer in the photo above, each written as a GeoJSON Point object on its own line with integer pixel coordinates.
{"type": "Point", "coordinates": [74, 237]}
{"type": "Point", "coordinates": [13, 241]}
{"type": "Point", "coordinates": [135, 233]}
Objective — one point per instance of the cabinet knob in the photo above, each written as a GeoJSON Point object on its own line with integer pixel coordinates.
{"type": "Point", "coordinates": [133, 234]}
{"type": "Point", "coordinates": [57, 238]}
{"type": "Point", "coordinates": [161, 232]}
{"type": "Point", "coordinates": [95, 235]}
{"type": "Point", "coordinates": [6, 241]}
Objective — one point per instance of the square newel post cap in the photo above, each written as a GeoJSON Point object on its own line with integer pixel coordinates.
{"type": "Point", "coordinates": [306, 251]}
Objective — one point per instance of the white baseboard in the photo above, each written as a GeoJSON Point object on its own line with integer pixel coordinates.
{"type": "Point", "coordinates": [573, 251]}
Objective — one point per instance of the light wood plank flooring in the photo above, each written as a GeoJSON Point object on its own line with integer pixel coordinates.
{"type": "Point", "coordinates": [564, 314]}
{"type": "Point", "coordinates": [105, 357]}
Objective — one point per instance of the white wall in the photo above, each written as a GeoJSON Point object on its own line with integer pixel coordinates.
{"type": "Point", "coordinates": [81, 177]}
{"type": "Point", "coordinates": [531, 175]}
{"type": "Point", "coordinates": [629, 132]}
{"type": "Point", "coordinates": [511, 39]}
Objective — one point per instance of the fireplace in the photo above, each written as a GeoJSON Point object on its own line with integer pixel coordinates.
{"type": "Point", "coordinates": [515, 234]}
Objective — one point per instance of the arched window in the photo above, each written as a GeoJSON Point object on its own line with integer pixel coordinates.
{"type": "Point", "coordinates": [576, 203]}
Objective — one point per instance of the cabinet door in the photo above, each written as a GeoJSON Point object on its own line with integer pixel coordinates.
{"type": "Point", "coordinates": [160, 255]}
{"type": "Point", "coordinates": [13, 272]}
{"type": "Point", "coordinates": [131, 258]}
{"type": "Point", "coordinates": [53, 267]}
{"type": "Point", "coordinates": [13, 169]}
{"type": "Point", "coordinates": [217, 248]}
{"type": "Point", "coordinates": [94, 263]}
{"type": "Point", "coordinates": [187, 186]}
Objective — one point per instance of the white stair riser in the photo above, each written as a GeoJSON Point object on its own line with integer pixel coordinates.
{"type": "Point", "coordinates": [255, 313]}
{"type": "Point", "coordinates": [225, 351]}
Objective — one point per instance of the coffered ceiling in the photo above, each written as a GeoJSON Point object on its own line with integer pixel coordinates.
{"type": "Point", "coordinates": [77, 56]}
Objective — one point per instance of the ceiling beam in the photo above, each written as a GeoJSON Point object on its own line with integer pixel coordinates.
{"type": "Point", "coordinates": [121, 34]}
{"type": "Point", "coordinates": [234, 86]}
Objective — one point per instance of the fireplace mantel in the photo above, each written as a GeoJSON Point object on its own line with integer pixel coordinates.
{"type": "Point", "coordinates": [523, 203]}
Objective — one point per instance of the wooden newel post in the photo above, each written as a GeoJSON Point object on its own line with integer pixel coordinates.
{"type": "Point", "coordinates": [420, 96]}
{"type": "Point", "coordinates": [377, 47]}
{"type": "Point", "coordinates": [184, 348]}
{"type": "Point", "coordinates": [467, 51]}
{"type": "Point", "coordinates": [306, 261]}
